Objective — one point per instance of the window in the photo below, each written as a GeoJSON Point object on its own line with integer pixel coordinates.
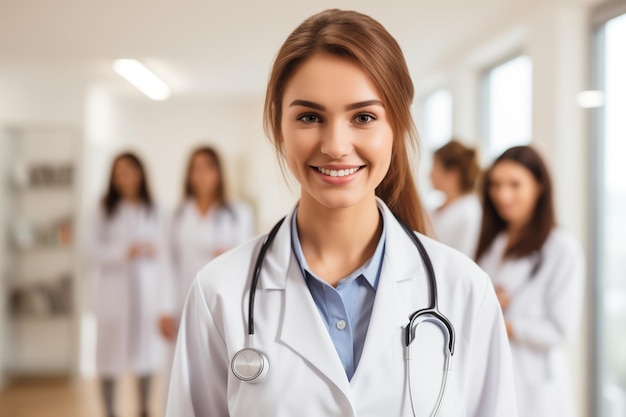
{"type": "Point", "coordinates": [507, 105]}
{"type": "Point", "coordinates": [436, 123]}
{"type": "Point", "coordinates": [609, 220]}
{"type": "Point", "coordinates": [435, 131]}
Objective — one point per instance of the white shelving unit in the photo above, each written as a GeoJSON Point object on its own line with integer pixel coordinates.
{"type": "Point", "coordinates": [41, 258]}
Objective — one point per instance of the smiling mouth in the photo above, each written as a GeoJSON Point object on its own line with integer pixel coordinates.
{"type": "Point", "coordinates": [339, 172]}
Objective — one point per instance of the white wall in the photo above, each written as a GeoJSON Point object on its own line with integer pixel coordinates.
{"type": "Point", "coordinates": [556, 37]}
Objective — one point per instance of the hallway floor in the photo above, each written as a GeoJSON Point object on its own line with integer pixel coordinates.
{"type": "Point", "coordinates": [60, 397]}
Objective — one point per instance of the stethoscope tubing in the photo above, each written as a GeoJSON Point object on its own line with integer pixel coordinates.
{"type": "Point", "coordinates": [431, 314]}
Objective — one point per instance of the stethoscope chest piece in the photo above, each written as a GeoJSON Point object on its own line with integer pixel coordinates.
{"type": "Point", "coordinates": [250, 365]}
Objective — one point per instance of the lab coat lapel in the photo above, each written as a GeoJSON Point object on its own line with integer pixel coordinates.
{"type": "Point", "coordinates": [302, 327]}
{"type": "Point", "coordinates": [402, 265]}
{"type": "Point", "coordinates": [304, 331]}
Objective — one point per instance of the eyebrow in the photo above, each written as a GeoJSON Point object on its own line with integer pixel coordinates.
{"type": "Point", "coordinates": [353, 106]}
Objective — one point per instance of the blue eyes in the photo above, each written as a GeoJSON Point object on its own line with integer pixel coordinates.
{"type": "Point", "coordinates": [360, 119]}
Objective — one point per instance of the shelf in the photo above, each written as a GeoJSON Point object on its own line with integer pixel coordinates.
{"type": "Point", "coordinates": [22, 190]}
{"type": "Point", "coordinates": [42, 345]}
{"type": "Point", "coordinates": [41, 201]}
{"type": "Point", "coordinates": [52, 319]}
{"type": "Point", "coordinates": [42, 248]}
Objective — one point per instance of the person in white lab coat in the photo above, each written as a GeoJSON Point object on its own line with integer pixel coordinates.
{"type": "Point", "coordinates": [457, 221]}
{"type": "Point", "coordinates": [341, 275]}
{"type": "Point", "coordinates": [126, 247]}
{"type": "Point", "coordinates": [203, 227]}
{"type": "Point", "coordinates": [537, 269]}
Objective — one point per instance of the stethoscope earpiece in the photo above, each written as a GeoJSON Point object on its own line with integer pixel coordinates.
{"type": "Point", "coordinates": [250, 365]}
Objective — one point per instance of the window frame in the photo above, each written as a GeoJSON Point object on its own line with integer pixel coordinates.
{"type": "Point", "coordinates": [599, 18]}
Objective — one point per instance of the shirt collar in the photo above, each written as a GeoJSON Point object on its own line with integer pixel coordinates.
{"type": "Point", "coordinates": [370, 270]}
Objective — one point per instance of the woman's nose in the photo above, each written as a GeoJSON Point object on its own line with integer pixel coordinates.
{"type": "Point", "coordinates": [336, 140]}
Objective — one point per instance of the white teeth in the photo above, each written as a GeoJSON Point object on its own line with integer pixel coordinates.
{"type": "Point", "coordinates": [338, 173]}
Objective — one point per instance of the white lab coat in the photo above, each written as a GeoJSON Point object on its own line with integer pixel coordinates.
{"type": "Point", "coordinates": [306, 377]}
{"type": "Point", "coordinates": [458, 224]}
{"type": "Point", "coordinates": [544, 313]}
{"type": "Point", "coordinates": [127, 292]}
{"type": "Point", "coordinates": [194, 239]}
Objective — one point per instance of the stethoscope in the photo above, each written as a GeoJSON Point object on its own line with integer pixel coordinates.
{"type": "Point", "coordinates": [252, 365]}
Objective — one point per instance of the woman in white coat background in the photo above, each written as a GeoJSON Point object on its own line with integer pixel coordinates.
{"type": "Point", "coordinates": [204, 226]}
{"type": "Point", "coordinates": [342, 276]}
{"type": "Point", "coordinates": [127, 248]}
{"type": "Point", "coordinates": [537, 269]}
{"type": "Point", "coordinates": [457, 221]}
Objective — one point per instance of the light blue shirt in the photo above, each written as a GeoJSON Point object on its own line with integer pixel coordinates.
{"type": "Point", "coordinates": [346, 310]}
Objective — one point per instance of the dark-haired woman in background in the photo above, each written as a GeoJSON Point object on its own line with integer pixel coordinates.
{"type": "Point", "coordinates": [457, 221]}
{"type": "Point", "coordinates": [537, 270]}
{"type": "Point", "coordinates": [203, 227]}
{"type": "Point", "coordinates": [126, 247]}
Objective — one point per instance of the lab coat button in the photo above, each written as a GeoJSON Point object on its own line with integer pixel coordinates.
{"type": "Point", "coordinates": [341, 324]}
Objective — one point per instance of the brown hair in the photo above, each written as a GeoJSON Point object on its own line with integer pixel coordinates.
{"type": "Point", "coordinates": [113, 197]}
{"type": "Point", "coordinates": [363, 40]}
{"type": "Point", "coordinates": [456, 156]}
{"type": "Point", "coordinates": [211, 153]}
{"type": "Point", "coordinates": [543, 220]}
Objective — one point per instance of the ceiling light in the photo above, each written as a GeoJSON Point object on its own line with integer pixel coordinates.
{"type": "Point", "coordinates": [590, 99]}
{"type": "Point", "coordinates": [142, 78]}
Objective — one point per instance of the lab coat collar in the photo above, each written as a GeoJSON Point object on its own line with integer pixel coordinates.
{"type": "Point", "coordinates": [302, 327]}
{"type": "Point", "coordinates": [399, 252]}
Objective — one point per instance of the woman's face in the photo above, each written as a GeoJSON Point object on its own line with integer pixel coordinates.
{"type": "Point", "coordinates": [513, 191]}
{"type": "Point", "coordinates": [203, 176]}
{"type": "Point", "coordinates": [443, 179]}
{"type": "Point", "coordinates": [126, 178]}
{"type": "Point", "coordinates": [336, 132]}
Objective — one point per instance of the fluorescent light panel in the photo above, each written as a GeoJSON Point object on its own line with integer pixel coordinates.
{"type": "Point", "coordinates": [142, 78]}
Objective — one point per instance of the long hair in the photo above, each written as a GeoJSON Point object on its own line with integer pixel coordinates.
{"type": "Point", "coordinates": [113, 197]}
{"type": "Point", "coordinates": [455, 155]}
{"type": "Point", "coordinates": [214, 157]}
{"type": "Point", "coordinates": [534, 235]}
{"type": "Point", "coordinates": [363, 40]}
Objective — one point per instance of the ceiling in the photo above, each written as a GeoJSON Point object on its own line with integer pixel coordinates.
{"type": "Point", "coordinates": [226, 47]}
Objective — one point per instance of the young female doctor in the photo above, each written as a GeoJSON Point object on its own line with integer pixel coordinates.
{"type": "Point", "coordinates": [202, 228]}
{"type": "Point", "coordinates": [537, 270]}
{"type": "Point", "coordinates": [126, 245]}
{"type": "Point", "coordinates": [314, 318]}
{"type": "Point", "coordinates": [457, 221]}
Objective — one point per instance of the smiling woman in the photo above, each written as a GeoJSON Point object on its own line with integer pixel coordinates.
{"type": "Point", "coordinates": [368, 61]}
{"type": "Point", "coordinates": [338, 288]}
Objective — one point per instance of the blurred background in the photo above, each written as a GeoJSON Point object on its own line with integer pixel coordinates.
{"type": "Point", "coordinates": [494, 73]}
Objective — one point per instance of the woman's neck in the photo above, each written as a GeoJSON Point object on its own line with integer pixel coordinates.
{"type": "Point", "coordinates": [513, 231]}
{"type": "Point", "coordinates": [132, 199]}
{"type": "Point", "coordinates": [451, 196]}
{"type": "Point", "coordinates": [336, 242]}
{"type": "Point", "coordinates": [203, 203]}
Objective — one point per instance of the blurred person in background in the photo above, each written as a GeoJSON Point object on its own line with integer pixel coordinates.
{"type": "Point", "coordinates": [126, 245]}
{"type": "Point", "coordinates": [537, 270]}
{"type": "Point", "coordinates": [203, 227]}
{"type": "Point", "coordinates": [457, 221]}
